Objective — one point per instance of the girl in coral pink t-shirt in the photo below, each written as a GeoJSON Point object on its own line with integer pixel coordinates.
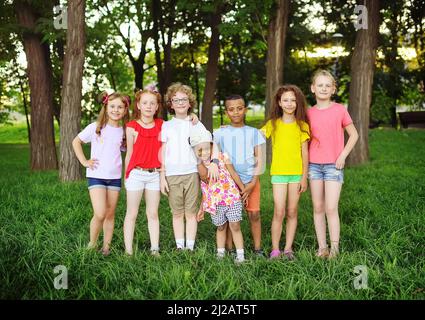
{"type": "Point", "coordinates": [327, 155]}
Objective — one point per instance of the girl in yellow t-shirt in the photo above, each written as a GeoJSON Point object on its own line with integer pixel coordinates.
{"type": "Point", "coordinates": [289, 130]}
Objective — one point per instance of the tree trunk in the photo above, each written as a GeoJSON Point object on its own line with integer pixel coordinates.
{"type": "Point", "coordinates": [212, 71]}
{"type": "Point", "coordinates": [362, 70]}
{"type": "Point", "coordinates": [39, 71]}
{"type": "Point", "coordinates": [69, 169]}
{"type": "Point", "coordinates": [276, 39]}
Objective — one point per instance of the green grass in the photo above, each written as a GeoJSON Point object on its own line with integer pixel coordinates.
{"type": "Point", "coordinates": [45, 223]}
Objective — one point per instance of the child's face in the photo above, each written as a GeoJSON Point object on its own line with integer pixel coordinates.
{"type": "Point", "coordinates": [148, 104]}
{"type": "Point", "coordinates": [116, 109]}
{"type": "Point", "coordinates": [236, 110]}
{"type": "Point", "coordinates": [323, 88]}
{"type": "Point", "coordinates": [203, 151]}
{"type": "Point", "coordinates": [288, 102]}
{"type": "Point", "coordinates": [180, 103]}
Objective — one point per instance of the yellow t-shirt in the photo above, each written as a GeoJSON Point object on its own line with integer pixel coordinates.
{"type": "Point", "coordinates": [287, 140]}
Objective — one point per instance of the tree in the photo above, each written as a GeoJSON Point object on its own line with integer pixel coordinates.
{"type": "Point", "coordinates": [362, 71]}
{"type": "Point", "coordinates": [39, 71]}
{"type": "Point", "coordinates": [276, 38]}
{"type": "Point", "coordinates": [164, 25]}
{"type": "Point", "coordinates": [212, 67]}
{"type": "Point", "coordinates": [69, 167]}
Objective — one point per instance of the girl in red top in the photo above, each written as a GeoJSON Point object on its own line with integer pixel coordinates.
{"type": "Point", "coordinates": [142, 166]}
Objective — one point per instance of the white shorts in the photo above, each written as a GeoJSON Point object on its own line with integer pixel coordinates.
{"type": "Point", "coordinates": [138, 180]}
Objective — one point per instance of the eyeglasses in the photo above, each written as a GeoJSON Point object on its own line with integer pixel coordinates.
{"type": "Point", "coordinates": [179, 101]}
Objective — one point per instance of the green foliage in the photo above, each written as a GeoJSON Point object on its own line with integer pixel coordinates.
{"type": "Point", "coordinates": [382, 228]}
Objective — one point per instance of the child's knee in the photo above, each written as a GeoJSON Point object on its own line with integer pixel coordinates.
{"type": "Point", "coordinates": [254, 216]}
{"type": "Point", "coordinates": [235, 226]}
{"type": "Point", "coordinates": [178, 215]}
{"type": "Point", "coordinates": [222, 227]}
{"type": "Point", "coordinates": [292, 213]}
{"type": "Point", "coordinates": [279, 213]}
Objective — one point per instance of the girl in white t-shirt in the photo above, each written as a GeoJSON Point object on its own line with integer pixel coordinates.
{"type": "Point", "coordinates": [107, 138]}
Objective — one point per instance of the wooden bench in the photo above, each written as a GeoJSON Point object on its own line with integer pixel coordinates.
{"type": "Point", "coordinates": [412, 119]}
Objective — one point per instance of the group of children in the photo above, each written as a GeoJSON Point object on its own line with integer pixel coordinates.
{"type": "Point", "coordinates": [180, 157]}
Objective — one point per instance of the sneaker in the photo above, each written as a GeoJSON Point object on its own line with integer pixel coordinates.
{"type": "Point", "coordinates": [259, 253]}
{"type": "Point", "coordinates": [275, 254]}
{"type": "Point", "coordinates": [289, 254]}
{"type": "Point", "coordinates": [155, 253]}
{"type": "Point", "coordinates": [322, 253]}
{"type": "Point", "coordinates": [239, 261]}
{"type": "Point", "coordinates": [221, 255]}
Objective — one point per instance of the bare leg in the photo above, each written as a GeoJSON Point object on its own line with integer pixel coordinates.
{"type": "Point", "coordinates": [292, 215]}
{"type": "Point", "coordinates": [221, 235]}
{"type": "Point", "coordinates": [318, 198]}
{"type": "Point", "coordinates": [191, 226]}
{"type": "Point", "coordinates": [98, 201]}
{"type": "Point", "coordinates": [229, 238]}
{"type": "Point", "coordinates": [255, 222]}
{"type": "Point", "coordinates": [332, 194]}
{"type": "Point", "coordinates": [235, 227]}
{"type": "Point", "coordinates": [178, 225]}
{"type": "Point", "coordinates": [152, 198]}
{"type": "Point", "coordinates": [133, 203]}
{"type": "Point", "coordinates": [108, 224]}
{"type": "Point", "coordinates": [279, 197]}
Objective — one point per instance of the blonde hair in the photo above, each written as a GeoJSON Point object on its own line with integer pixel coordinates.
{"type": "Point", "coordinates": [179, 87]}
{"type": "Point", "coordinates": [139, 93]}
{"type": "Point", "coordinates": [325, 73]}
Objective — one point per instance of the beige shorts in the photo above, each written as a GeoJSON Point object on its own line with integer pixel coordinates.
{"type": "Point", "coordinates": [184, 193]}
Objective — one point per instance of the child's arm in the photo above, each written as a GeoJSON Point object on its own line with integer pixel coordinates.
{"type": "Point", "coordinates": [304, 156]}
{"type": "Point", "coordinates": [203, 172]}
{"type": "Point", "coordinates": [213, 168]}
{"type": "Point", "coordinates": [200, 214]}
{"type": "Point", "coordinates": [353, 137]}
{"type": "Point", "coordinates": [129, 132]}
{"type": "Point", "coordinates": [78, 149]}
{"type": "Point", "coordinates": [233, 173]}
{"type": "Point", "coordinates": [163, 181]}
{"type": "Point", "coordinates": [194, 118]}
{"type": "Point", "coordinates": [258, 169]}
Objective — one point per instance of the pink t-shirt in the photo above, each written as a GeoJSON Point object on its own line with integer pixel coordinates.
{"type": "Point", "coordinates": [327, 132]}
{"type": "Point", "coordinates": [106, 149]}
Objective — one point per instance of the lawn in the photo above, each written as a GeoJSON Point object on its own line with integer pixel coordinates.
{"type": "Point", "coordinates": [45, 223]}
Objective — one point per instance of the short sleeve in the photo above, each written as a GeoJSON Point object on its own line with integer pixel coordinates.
{"type": "Point", "coordinates": [346, 120]}
{"type": "Point", "coordinates": [267, 129]}
{"type": "Point", "coordinates": [163, 133]}
{"type": "Point", "coordinates": [305, 132]}
{"type": "Point", "coordinates": [131, 124]}
{"type": "Point", "coordinates": [88, 132]}
{"type": "Point", "coordinates": [217, 135]}
{"type": "Point", "coordinates": [258, 138]}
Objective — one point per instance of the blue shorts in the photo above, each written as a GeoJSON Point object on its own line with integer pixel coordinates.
{"type": "Point", "coordinates": [111, 184]}
{"type": "Point", "coordinates": [326, 172]}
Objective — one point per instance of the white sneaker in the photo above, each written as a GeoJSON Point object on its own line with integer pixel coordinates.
{"type": "Point", "coordinates": [239, 260]}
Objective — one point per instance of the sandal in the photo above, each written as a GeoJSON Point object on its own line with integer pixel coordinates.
{"type": "Point", "coordinates": [275, 254]}
{"type": "Point", "coordinates": [322, 253]}
{"type": "Point", "coordinates": [289, 254]}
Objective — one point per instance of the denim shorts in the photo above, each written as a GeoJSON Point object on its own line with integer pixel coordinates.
{"type": "Point", "coordinates": [326, 172]}
{"type": "Point", "coordinates": [111, 184]}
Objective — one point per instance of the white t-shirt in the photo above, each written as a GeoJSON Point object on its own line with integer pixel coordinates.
{"type": "Point", "coordinates": [106, 149]}
{"type": "Point", "coordinates": [179, 156]}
